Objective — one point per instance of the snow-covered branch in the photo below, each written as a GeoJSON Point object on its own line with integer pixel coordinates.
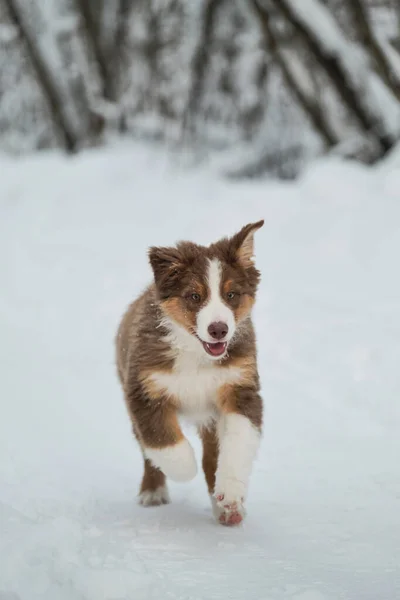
{"type": "Point", "coordinates": [385, 57]}
{"type": "Point", "coordinates": [366, 97]}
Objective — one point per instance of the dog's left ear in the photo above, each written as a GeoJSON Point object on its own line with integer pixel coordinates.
{"type": "Point", "coordinates": [243, 243]}
{"type": "Point", "coordinates": [166, 264]}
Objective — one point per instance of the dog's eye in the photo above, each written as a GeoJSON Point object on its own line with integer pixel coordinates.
{"type": "Point", "coordinates": [230, 295]}
{"type": "Point", "coordinates": [195, 297]}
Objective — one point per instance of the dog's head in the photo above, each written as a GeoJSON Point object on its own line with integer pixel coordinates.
{"type": "Point", "coordinates": [209, 291]}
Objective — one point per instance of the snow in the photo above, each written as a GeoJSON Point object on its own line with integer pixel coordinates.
{"type": "Point", "coordinates": [314, 14]}
{"type": "Point", "coordinates": [392, 56]}
{"type": "Point", "coordinates": [8, 34]}
{"type": "Point", "coordinates": [323, 512]}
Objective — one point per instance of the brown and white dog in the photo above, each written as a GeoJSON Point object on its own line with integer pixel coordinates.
{"type": "Point", "coordinates": [186, 347]}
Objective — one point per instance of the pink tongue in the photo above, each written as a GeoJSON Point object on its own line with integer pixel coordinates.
{"type": "Point", "coordinates": [216, 349]}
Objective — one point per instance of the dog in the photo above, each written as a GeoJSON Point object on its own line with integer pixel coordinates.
{"type": "Point", "coordinates": [186, 348]}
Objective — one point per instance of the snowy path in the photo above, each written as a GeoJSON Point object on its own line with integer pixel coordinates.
{"type": "Point", "coordinates": [324, 518]}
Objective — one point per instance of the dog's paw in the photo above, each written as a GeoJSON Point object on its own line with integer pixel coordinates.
{"type": "Point", "coordinates": [227, 510]}
{"type": "Point", "coordinates": [177, 462]}
{"type": "Point", "coordinates": [154, 497]}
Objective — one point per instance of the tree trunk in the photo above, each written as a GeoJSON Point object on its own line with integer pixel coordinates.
{"type": "Point", "coordinates": [309, 103]}
{"type": "Point", "coordinates": [124, 11]}
{"type": "Point", "coordinates": [201, 60]}
{"type": "Point", "coordinates": [104, 61]}
{"type": "Point", "coordinates": [373, 45]}
{"type": "Point", "coordinates": [44, 76]}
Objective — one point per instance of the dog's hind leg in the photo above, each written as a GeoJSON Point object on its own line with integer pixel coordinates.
{"type": "Point", "coordinates": [153, 490]}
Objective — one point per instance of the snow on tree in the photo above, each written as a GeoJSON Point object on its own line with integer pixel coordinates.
{"type": "Point", "coordinates": [275, 80]}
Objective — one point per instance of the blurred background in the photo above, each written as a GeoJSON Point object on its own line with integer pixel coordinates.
{"type": "Point", "coordinates": [267, 84]}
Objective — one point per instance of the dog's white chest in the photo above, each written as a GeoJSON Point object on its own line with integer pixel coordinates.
{"type": "Point", "coordinates": [195, 386]}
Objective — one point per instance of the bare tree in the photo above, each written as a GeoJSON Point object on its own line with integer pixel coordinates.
{"type": "Point", "coordinates": [77, 83]}
{"type": "Point", "coordinates": [382, 53]}
{"type": "Point", "coordinates": [334, 61]}
{"type": "Point", "coordinates": [66, 132]}
{"type": "Point", "coordinates": [119, 62]}
{"type": "Point", "coordinates": [92, 27]}
{"type": "Point", "coordinates": [295, 80]}
{"type": "Point", "coordinates": [200, 60]}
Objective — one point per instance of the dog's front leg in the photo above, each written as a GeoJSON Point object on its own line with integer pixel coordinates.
{"type": "Point", "coordinates": [239, 432]}
{"type": "Point", "coordinates": [156, 425]}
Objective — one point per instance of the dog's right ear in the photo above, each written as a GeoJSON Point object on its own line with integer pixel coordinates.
{"type": "Point", "coordinates": [166, 264]}
{"type": "Point", "coordinates": [243, 243]}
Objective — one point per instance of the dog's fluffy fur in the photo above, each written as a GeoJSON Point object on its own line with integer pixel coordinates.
{"type": "Point", "coordinates": [186, 347]}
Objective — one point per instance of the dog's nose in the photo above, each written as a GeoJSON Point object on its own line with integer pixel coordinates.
{"type": "Point", "coordinates": [218, 330]}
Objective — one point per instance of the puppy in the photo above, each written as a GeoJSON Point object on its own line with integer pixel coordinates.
{"type": "Point", "coordinates": [186, 348]}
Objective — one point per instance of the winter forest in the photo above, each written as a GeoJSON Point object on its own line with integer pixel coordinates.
{"type": "Point", "coordinates": [278, 81]}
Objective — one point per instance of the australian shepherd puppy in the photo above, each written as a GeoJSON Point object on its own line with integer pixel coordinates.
{"type": "Point", "coordinates": [186, 348]}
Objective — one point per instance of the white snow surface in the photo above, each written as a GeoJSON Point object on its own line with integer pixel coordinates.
{"type": "Point", "coordinates": [323, 510]}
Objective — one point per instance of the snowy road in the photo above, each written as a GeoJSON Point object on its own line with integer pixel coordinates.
{"type": "Point", "coordinates": [324, 518]}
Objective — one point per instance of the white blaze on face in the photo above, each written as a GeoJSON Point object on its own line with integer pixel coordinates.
{"type": "Point", "coordinates": [215, 311]}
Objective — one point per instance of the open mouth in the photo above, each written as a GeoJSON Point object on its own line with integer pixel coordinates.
{"type": "Point", "coordinates": [215, 349]}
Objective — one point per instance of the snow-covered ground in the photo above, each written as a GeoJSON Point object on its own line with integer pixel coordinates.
{"type": "Point", "coordinates": [324, 518]}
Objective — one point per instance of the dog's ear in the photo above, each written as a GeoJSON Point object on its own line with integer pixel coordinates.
{"type": "Point", "coordinates": [166, 264]}
{"type": "Point", "coordinates": [243, 243]}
